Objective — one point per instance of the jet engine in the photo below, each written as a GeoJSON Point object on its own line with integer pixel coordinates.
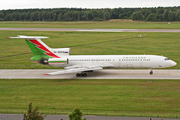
{"type": "Point", "coordinates": [59, 62]}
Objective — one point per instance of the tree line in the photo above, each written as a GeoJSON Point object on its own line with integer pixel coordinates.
{"type": "Point", "coordinates": [79, 14]}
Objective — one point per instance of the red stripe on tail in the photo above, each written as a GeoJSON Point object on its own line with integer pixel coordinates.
{"type": "Point", "coordinates": [39, 45]}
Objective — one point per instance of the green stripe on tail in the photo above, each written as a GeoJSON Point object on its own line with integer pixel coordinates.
{"type": "Point", "coordinates": [38, 53]}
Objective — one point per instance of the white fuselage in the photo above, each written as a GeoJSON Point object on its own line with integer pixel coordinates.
{"type": "Point", "coordinates": [119, 61]}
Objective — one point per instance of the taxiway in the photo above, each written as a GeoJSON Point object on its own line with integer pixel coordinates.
{"type": "Point", "coordinates": [94, 30]}
{"type": "Point", "coordinates": [100, 74]}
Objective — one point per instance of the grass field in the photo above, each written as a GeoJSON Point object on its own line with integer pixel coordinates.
{"type": "Point", "coordinates": [112, 24]}
{"type": "Point", "coordinates": [89, 43]}
{"type": "Point", "coordinates": [98, 97]}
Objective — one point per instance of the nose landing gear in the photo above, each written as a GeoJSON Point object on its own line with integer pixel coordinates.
{"type": "Point", "coordinates": [81, 74]}
{"type": "Point", "coordinates": [151, 72]}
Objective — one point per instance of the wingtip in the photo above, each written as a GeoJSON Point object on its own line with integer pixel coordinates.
{"type": "Point", "coordinates": [7, 37]}
{"type": "Point", "coordinates": [46, 74]}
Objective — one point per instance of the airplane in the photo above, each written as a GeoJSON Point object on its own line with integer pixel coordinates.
{"type": "Point", "coordinates": [81, 64]}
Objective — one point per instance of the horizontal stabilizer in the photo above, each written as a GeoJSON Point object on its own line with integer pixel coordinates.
{"type": "Point", "coordinates": [29, 37]}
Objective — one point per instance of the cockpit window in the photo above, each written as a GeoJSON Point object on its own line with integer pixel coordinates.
{"type": "Point", "coordinates": [166, 59]}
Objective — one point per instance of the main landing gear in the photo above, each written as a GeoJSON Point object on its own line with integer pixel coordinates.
{"type": "Point", "coordinates": [81, 75]}
{"type": "Point", "coordinates": [151, 72]}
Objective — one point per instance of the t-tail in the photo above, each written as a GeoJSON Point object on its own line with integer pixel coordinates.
{"type": "Point", "coordinates": [41, 52]}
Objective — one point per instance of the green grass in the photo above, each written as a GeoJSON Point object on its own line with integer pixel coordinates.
{"type": "Point", "coordinates": [89, 43]}
{"type": "Point", "coordinates": [98, 97]}
{"type": "Point", "coordinates": [112, 24]}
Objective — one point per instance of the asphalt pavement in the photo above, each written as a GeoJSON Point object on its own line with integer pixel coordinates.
{"type": "Point", "coordinates": [99, 74]}
{"type": "Point", "coordinates": [89, 117]}
{"type": "Point", "coordinates": [94, 30]}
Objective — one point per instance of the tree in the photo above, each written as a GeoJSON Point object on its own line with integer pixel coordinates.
{"type": "Point", "coordinates": [76, 115]}
{"type": "Point", "coordinates": [160, 17]}
{"type": "Point", "coordinates": [27, 15]}
{"type": "Point", "coordinates": [95, 13]}
{"type": "Point", "coordinates": [171, 16]}
{"type": "Point", "coordinates": [90, 16]}
{"type": "Point", "coordinates": [137, 16]}
{"type": "Point", "coordinates": [13, 16]}
{"type": "Point", "coordinates": [54, 16]}
{"type": "Point", "coordinates": [43, 15]}
{"type": "Point", "coordinates": [106, 15]}
{"type": "Point", "coordinates": [165, 14]}
{"type": "Point", "coordinates": [1, 15]}
{"type": "Point", "coordinates": [7, 18]}
{"type": "Point", "coordinates": [23, 16]}
{"type": "Point", "coordinates": [114, 13]}
{"type": "Point", "coordinates": [33, 114]}
{"type": "Point", "coordinates": [177, 14]}
{"type": "Point", "coordinates": [79, 15]}
{"type": "Point", "coordinates": [155, 17]}
{"type": "Point", "coordinates": [39, 16]}
{"type": "Point", "coordinates": [60, 17]}
{"type": "Point", "coordinates": [49, 16]}
{"type": "Point", "coordinates": [33, 16]}
{"type": "Point", "coordinates": [178, 18]}
{"type": "Point", "coordinates": [68, 16]}
{"type": "Point", "coordinates": [150, 17]}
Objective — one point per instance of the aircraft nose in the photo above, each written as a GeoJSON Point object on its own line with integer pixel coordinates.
{"type": "Point", "coordinates": [173, 63]}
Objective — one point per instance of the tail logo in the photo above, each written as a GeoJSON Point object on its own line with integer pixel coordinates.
{"type": "Point", "coordinates": [40, 46]}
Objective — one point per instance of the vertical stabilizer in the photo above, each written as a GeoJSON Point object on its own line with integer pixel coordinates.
{"type": "Point", "coordinates": [40, 50]}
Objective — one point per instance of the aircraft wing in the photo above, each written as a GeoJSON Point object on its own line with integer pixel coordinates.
{"type": "Point", "coordinates": [76, 69]}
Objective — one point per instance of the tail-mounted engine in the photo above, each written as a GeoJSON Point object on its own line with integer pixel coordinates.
{"type": "Point", "coordinates": [58, 61]}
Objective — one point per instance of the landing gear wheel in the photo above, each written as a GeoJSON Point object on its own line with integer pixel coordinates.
{"type": "Point", "coordinates": [85, 74]}
{"type": "Point", "coordinates": [77, 75]}
{"type": "Point", "coordinates": [151, 72]}
{"type": "Point", "coordinates": [81, 75]}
